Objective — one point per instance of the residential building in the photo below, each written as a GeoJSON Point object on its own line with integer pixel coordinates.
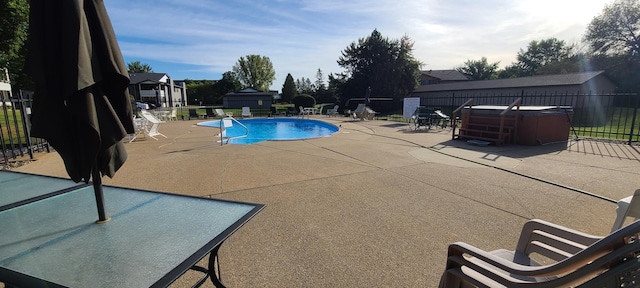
{"type": "Point", "coordinates": [157, 88]}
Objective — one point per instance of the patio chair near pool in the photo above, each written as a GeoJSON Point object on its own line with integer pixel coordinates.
{"type": "Point", "coordinates": [193, 114]}
{"type": "Point", "coordinates": [209, 113]}
{"type": "Point", "coordinates": [246, 112]}
{"type": "Point", "coordinates": [333, 111]}
{"type": "Point", "coordinates": [577, 260]}
{"type": "Point", "coordinates": [627, 207]}
{"type": "Point", "coordinates": [153, 125]}
{"type": "Point", "coordinates": [222, 114]}
{"type": "Point", "coordinates": [303, 112]}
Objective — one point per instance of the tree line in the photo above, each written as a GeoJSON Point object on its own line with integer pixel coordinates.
{"type": "Point", "coordinates": [387, 67]}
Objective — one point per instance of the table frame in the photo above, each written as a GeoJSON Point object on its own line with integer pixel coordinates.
{"type": "Point", "coordinates": [11, 277]}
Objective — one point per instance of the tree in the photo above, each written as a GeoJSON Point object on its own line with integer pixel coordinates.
{"type": "Point", "coordinates": [541, 53]}
{"type": "Point", "coordinates": [137, 67]}
{"type": "Point", "coordinates": [616, 30]}
{"type": "Point", "coordinates": [319, 84]}
{"type": "Point", "coordinates": [304, 86]}
{"type": "Point", "coordinates": [255, 71]}
{"type": "Point", "coordinates": [14, 29]}
{"type": "Point", "coordinates": [387, 66]}
{"type": "Point", "coordinates": [479, 69]}
{"type": "Point", "coordinates": [288, 89]}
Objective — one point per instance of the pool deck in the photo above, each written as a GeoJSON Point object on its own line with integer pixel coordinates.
{"type": "Point", "coordinates": [374, 205]}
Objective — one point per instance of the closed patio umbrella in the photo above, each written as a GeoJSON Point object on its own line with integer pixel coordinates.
{"type": "Point", "coordinates": [81, 103]}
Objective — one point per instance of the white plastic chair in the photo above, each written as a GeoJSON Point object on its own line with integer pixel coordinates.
{"type": "Point", "coordinates": [154, 123]}
{"type": "Point", "coordinates": [627, 207]}
{"type": "Point", "coordinates": [246, 112]}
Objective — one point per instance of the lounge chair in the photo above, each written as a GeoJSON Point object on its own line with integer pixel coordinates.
{"type": "Point", "coordinates": [359, 113]}
{"type": "Point", "coordinates": [210, 113]}
{"type": "Point", "coordinates": [193, 114]}
{"type": "Point", "coordinates": [333, 111]}
{"type": "Point", "coordinates": [153, 125]}
{"type": "Point", "coordinates": [627, 207]}
{"type": "Point", "coordinates": [222, 114]}
{"type": "Point", "coordinates": [246, 112]}
{"type": "Point", "coordinates": [273, 112]}
{"type": "Point", "coordinates": [291, 111]}
{"type": "Point", "coordinates": [578, 260]}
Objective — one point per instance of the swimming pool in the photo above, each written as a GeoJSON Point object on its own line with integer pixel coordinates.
{"type": "Point", "coordinates": [264, 129]}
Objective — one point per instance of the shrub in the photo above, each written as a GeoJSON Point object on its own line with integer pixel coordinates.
{"type": "Point", "coordinates": [304, 100]}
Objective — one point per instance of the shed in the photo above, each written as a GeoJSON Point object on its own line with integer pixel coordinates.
{"type": "Point", "coordinates": [248, 97]}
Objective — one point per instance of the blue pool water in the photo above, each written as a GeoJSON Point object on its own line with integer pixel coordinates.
{"type": "Point", "coordinates": [263, 129]}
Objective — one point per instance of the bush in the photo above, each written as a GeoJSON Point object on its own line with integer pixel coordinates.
{"type": "Point", "coordinates": [304, 100]}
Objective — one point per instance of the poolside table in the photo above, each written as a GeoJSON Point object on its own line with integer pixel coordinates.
{"type": "Point", "coordinates": [49, 236]}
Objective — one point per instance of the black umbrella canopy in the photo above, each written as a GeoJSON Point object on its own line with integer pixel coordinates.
{"type": "Point", "coordinates": [81, 102]}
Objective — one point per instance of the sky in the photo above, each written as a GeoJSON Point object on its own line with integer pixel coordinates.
{"type": "Point", "coordinates": [202, 39]}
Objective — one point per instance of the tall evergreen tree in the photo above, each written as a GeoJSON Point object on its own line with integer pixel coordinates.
{"type": "Point", "coordinates": [387, 66]}
{"type": "Point", "coordinates": [288, 89]}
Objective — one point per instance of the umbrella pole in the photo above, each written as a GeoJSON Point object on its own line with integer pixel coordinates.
{"type": "Point", "coordinates": [97, 189]}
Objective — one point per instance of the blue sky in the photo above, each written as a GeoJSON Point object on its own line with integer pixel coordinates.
{"type": "Point", "coordinates": [201, 39]}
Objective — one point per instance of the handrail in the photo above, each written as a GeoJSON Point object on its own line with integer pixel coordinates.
{"type": "Point", "coordinates": [229, 138]}
{"type": "Point", "coordinates": [462, 106]}
{"type": "Point", "coordinates": [453, 117]}
{"type": "Point", "coordinates": [517, 102]}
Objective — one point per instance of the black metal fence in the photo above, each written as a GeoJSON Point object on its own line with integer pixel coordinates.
{"type": "Point", "coordinates": [608, 116]}
{"type": "Point", "coordinates": [15, 138]}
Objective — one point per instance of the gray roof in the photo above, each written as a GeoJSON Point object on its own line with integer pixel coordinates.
{"type": "Point", "coordinates": [250, 91]}
{"type": "Point", "coordinates": [135, 78]}
{"type": "Point", "coordinates": [446, 75]}
{"type": "Point", "coordinates": [533, 81]}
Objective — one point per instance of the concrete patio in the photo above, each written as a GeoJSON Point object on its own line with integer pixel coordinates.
{"type": "Point", "coordinates": [374, 205]}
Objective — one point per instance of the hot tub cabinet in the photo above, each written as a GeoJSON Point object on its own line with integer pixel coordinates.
{"type": "Point", "coordinates": [526, 125]}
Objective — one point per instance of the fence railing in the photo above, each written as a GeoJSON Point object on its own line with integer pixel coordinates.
{"type": "Point", "coordinates": [607, 116]}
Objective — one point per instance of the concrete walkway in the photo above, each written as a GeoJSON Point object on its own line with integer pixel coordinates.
{"type": "Point", "coordinates": [374, 205]}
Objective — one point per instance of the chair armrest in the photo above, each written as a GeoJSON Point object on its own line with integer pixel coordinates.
{"type": "Point", "coordinates": [552, 240]}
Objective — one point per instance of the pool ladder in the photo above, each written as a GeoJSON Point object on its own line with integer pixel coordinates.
{"type": "Point", "coordinates": [227, 122]}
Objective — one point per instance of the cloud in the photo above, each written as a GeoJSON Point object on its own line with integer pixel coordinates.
{"type": "Point", "coordinates": [301, 36]}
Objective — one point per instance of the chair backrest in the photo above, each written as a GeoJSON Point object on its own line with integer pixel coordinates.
{"type": "Point", "coordinates": [360, 108]}
{"type": "Point", "coordinates": [601, 262]}
{"type": "Point", "coordinates": [246, 111]}
{"type": "Point", "coordinates": [209, 111]}
{"type": "Point", "coordinates": [220, 113]}
{"type": "Point", "coordinates": [627, 208]}
{"type": "Point", "coordinates": [174, 113]}
{"type": "Point", "coordinates": [192, 112]}
{"type": "Point", "coordinates": [150, 117]}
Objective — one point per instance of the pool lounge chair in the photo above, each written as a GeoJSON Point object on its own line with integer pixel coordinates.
{"type": "Point", "coordinates": [577, 260]}
{"type": "Point", "coordinates": [222, 114]}
{"type": "Point", "coordinates": [210, 113]}
{"type": "Point", "coordinates": [193, 114]}
{"type": "Point", "coordinates": [153, 125]}
{"type": "Point", "coordinates": [246, 112]}
{"type": "Point", "coordinates": [291, 111]}
{"type": "Point", "coordinates": [362, 113]}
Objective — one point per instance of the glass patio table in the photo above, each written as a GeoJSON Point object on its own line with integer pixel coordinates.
{"type": "Point", "coordinates": [151, 239]}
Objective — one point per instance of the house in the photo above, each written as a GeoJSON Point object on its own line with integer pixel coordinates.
{"type": "Point", "coordinates": [157, 88]}
{"type": "Point", "coordinates": [429, 77]}
{"type": "Point", "coordinates": [584, 83]}
{"type": "Point", "coordinates": [248, 97]}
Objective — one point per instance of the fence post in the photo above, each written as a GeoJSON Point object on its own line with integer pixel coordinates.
{"type": "Point", "coordinates": [633, 121]}
{"type": "Point", "coordinates": [25, 123]}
